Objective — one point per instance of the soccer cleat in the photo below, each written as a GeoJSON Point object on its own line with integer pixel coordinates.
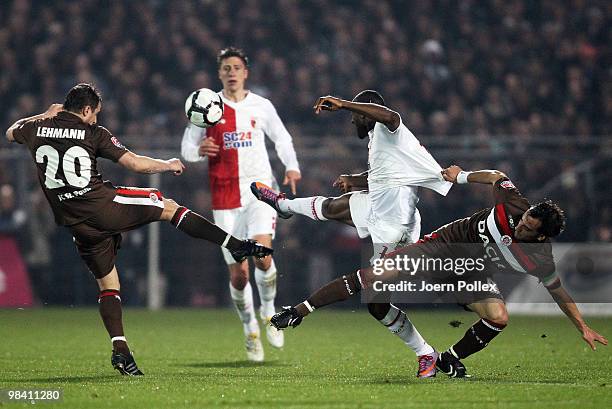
{"type": "Point", "coordinates": [427, 365]}
{"type": "Point", "coordinates": [250, 248]}
{"type": "Point", "coordinates": [275, 337]}
{"type": "Point", "coordinates": [287, 317]}
{"type": "Point", "coordinates": [267, 195]}
{"type": "Point", "coordinates": [451, 366]}
{"type": "Point", "coordinates": [254, 349]}
{"type": "Point", "coordinates": [125, 364]}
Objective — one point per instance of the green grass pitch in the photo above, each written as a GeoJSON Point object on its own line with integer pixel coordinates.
{"type": "Point", "coordinates": [195, 358]}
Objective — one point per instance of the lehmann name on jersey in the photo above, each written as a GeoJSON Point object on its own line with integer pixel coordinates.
{"type": "Point", "coordinates": [64, 133]}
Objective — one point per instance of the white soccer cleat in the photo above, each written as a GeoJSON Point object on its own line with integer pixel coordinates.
{"type": "Point", "coordinates": [254, 348]}
{"type": "Point", "coordinates": [275, 337]}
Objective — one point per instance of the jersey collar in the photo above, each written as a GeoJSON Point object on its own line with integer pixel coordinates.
{"type": "Point", "coordinates": [69, 116]}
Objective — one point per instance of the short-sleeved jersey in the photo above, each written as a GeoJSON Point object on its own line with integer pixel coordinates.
{"type": "Point", "coordinates": [493, 229]}
{"type": "Point", "coordinates": [243, 157]}
{"type": "Point", "coordinates": [397, 165]}
{"type": "Point", "coordinates": [65, 150]}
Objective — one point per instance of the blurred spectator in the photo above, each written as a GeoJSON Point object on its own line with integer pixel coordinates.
{"type": "Point", "coordinates": [12, 219]}
{"type": "Point", "coordinates": [39, 244]}
{"type": "Point", "coordinates": [508, 59]}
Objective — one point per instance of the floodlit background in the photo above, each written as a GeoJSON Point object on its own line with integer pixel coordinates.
{"type": "Point", "coordinates": [521, 86]}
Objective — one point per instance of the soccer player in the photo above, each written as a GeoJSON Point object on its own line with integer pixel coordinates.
{"type": "Point", "coordinates": [236, 154]}
{"type": "Point", "coordinates": [65, 142]}
{"type": "Point", "coordinates": [510, 237]}
{"type": "Point", "coordinates": [398, 165]}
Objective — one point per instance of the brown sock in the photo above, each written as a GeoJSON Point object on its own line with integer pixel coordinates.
{"type": "Point", "coordinates": [338, 290]}
{"type": "Point", "coordinates": [201, 228]}
{"type": "Point", "coordinates": [477, 337]}
{"type": "Point", "coordinates": [110, 311]}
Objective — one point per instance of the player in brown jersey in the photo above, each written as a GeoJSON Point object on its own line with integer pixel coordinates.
{"type": "Point", "coordinates": [65, 142]}
{"type": "Point", "coordinates": [512, 236]}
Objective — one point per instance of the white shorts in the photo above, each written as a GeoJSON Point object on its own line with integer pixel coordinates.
{"type": "Point", "coordinates": [256, 218]}
{"type": "Point", "coordinates": [386, 236]}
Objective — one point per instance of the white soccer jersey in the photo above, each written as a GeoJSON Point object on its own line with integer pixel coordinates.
{"type": "Point", "coordinates": [397, 165]}
{"type": "Point", "coordinates": [242, 158]}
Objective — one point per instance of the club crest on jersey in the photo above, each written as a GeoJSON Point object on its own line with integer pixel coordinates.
{"type": "Point", "coordinates": [506, 184]}
{"type": "Point", "coordinates": [506, 240]}
{"type": "Point", "coordinates": [153, 197]}
{"type": "Point", "coordinates": [237, 140]}
{"type": "Point", "coordinates": [253, 123]}
{"type": "Point", "coordinates": [116, 142]}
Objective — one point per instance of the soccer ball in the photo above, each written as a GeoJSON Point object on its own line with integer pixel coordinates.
{"type": "Point", "coordinates": [204, 108]}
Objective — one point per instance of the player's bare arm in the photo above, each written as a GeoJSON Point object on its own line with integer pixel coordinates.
{"type": "Point", "coordinates": [145, 164]}
{"type": "Point", "coordinates": [376, 112]}
{"type": "Point", "coordinates": [455, 174]}
{"type": "Point", "coordinates": [347, 183]}
{"type": "Point", "coordinates": [570, 309]}
{"type": "Point", "coordinates": [53, 110]}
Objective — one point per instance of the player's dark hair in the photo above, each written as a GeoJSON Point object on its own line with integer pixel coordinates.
{"type": "Point", "coordinates": [80, 96]}
{"type": "Point", "coordinates": [369, 96]}
{"type": "Point", "coordinates": [232, 52]}
{"type": "Point", "coordinates": [551, 216]}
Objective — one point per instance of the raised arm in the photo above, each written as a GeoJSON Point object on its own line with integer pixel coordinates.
{"type": "Point", "coordinates": [378, 113]}
{"type": "Point", "coordinates": [145, 164]}
{"type": "Point", "coordinates": [347, 183]}
{"type": "Point", "coordinates": [455, 174]}
{"type": "Point", "coordinates": [570, 309]}
{"type": "Point", "coordinates": [53, 110]}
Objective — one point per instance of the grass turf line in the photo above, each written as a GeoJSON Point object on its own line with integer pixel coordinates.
{"type": "Point", "coordinates": [195, 358]}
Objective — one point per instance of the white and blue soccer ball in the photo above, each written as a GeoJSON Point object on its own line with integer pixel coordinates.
{"type": "Point", "coordinates": [204, 108]}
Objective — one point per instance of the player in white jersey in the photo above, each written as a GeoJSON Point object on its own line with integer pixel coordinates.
{"type": "Point", "coordinates": [397, 166]}
{"type": "Point", "coordinates": [236, 153]}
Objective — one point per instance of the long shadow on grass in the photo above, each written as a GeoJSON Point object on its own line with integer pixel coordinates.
{"type": "Point", "coordinates": [72, 379]}
{"type": "Point", "coordinates": [473, 379]}
{"type": "Point", "coordinates": [234, 364]}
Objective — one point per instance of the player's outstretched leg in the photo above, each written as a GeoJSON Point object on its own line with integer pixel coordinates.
{"type": "Point", "coordinates": [110, 311]}
{"type": "Point", "coordinates": [316, 207]}
{"type": "Point", "coordinates": [494, 318]}
{"type": "Point", "coordinates": [199, 227]}
{"type": "Point", "coordinates": [339, 289]}
{"type": "Point", "coordinates": [398, 323]}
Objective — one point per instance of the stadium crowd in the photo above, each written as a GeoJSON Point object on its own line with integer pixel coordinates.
{"type": "Point", "coordinates": [470, 72]}
{"type": "Point", "coordinates": [452, 67]}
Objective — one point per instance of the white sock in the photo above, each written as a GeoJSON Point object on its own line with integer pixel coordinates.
{"type": "Point", "coordinates": [243, 301]}
{"type": "Point", "coordinates": [398, 323]}
{"type": "Point", "coordinates": [266, 284]}
{"type": "Point", "coordinates": [306, 206]}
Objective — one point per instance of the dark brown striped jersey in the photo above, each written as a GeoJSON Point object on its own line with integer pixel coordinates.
{"type": "Point", "coordinates": [65, 150]}
{"type": "Point", "coordinates": [493, 230]}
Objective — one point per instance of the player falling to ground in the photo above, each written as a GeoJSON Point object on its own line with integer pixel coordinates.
{"type": "Point", "coordinates": [236, 153]}
{"type": "Point", "coordinates": [65, 142]}
{"type": "Point", "coordinates": [398, 164]}
{"type": "Point", "coordinates": [511, 237]}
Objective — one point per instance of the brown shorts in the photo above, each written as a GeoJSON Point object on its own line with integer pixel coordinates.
{"type": "Point", "coordinates": [98, 238]}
